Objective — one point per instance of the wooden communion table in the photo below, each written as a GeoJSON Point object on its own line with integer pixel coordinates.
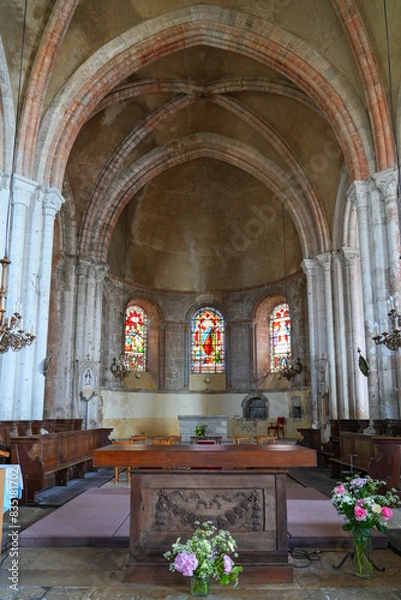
{"type": "Point", "coordinates": [240, 488]}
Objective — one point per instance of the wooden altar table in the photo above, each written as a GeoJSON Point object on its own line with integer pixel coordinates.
{"type": "Point", "coordinates": [239, 488]}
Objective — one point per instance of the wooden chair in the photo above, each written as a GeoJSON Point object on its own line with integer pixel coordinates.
{"type": "Point", "coordinates": [265, 439]}
{"type": "Point", "coordinates": [278, 426]}
{"type": "Point", "coordinates": [138, 439]}
{"type": "Point", "coordinates": [166, 440]}
{"type": "Point", "coordinates": [117, 469]}
{"type": "Point", "coordinates": [243, 439]}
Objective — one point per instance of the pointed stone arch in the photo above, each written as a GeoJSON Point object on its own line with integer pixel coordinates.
{"type": "Point", "coordinates": [212, 26]}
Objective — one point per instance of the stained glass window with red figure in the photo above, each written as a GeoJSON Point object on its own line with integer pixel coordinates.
{"type": "Point", "coordinates": [136, 338]}
{"type": "Point", "coordinates": [280, 337]}
{"type": "Point", "coordinates": [208, 341]}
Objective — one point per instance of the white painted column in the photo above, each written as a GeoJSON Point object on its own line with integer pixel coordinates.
{"type": "Point", "coordinates": [23, 192]}
{"type": "Point", "coordinates": [309, 268]}
{"type": "Point", "coordinates": [52, 202]}
{"type": "Point", "coordinates": [4, 200]}
{"type": "Point", "coordinates": [325, 262]}
{"type": "Point", "coordinates": [355, 327]}
{"type": "Point", "coordinates": [386, 184]}
{"type": "Point", "coordinates": [358, 194]}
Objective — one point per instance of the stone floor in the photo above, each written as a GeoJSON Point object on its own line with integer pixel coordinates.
{"type": "Point", "coordinates": [98, 573]}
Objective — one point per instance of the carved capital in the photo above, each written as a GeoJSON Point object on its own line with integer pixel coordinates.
{"type": "Point", "coordinates": [24, 191]}
{"type": "Point", "coordinates": [309, 267]}
{"type": "Point", "coordinates": [350, 257]}
{"type": "Point", "coordinates": [358, 194]}
{"type": "Point", "coordinates": [324, 261]}
{"type": "Point", "coordinates": [386, 183]}
{"type": "Point", "coordinates": [52, 202]}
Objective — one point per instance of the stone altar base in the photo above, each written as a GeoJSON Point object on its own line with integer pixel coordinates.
{"type": "Point", "coordinates": [252, 506]}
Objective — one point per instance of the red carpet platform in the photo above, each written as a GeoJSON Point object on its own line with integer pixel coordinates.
{"type": "Point", "coordinates": [100, 517]}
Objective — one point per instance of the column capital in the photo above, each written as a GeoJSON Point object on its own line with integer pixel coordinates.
{"type": "Point", "coordinates": [309, 266]}
{"type": "Point", "coordinates": [325, 260]}
{"type": "Point", "coordinates": [84, 265]}
{"type": "Point", "coordinates": [386, 182]}
{"type": "Point", "coordinates": [358, 194]}
{"type": "Point", "coordinates": [52, 201]}
{"type": "Point", "coordinates": [24, 190]}
{"type": "Point", "coordinates": [101, 271]}
{"type": "Point", "coordinates": [350, 256]}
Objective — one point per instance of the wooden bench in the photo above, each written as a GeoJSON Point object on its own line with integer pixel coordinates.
{"type": "Point", "coordinates": [54, 458]}
{"type": "Point", "coordinates": [356, 450]}
{"type": "Point", "coordinates": [10, 429]}
{"type": "Point", "coordinates": [377, 456]}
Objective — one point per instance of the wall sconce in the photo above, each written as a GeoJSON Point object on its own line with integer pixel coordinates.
{"type": "Point", "coordinates": [290, 370]}
{"type": "Point", "coordinates": [119, 369]}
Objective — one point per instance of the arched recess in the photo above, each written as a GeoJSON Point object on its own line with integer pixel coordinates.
{"type": "Point", "coordinates": [150, 379]}
{"type": "Point", "coordinates": [211, 26]}
{"type": "Point", "coordinates": [147, 125]}
{"type": "Point", "coordinates": [101, 220]}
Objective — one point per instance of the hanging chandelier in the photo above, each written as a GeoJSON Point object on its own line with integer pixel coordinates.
{"type": "Point", "coordinates": [12, 334]}
{"type": "Point", "coordinates": [390, 339]}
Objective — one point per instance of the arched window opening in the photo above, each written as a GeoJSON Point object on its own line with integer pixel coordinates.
{"type": "Point", "coordinates": [136, 338]}
{"type": "Point", "coordinates": [208, 340]}
{"type": "Point", "coordinates": [280, 337]}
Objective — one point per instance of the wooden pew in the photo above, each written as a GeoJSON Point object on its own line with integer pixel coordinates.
{"type": "Point", "coordinates": [53, 458]}
{"type": "Point", "coordinates": [356, 450]}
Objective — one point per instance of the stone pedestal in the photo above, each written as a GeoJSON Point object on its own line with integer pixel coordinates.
{"type": "Point", "coordinates": [216, 425]}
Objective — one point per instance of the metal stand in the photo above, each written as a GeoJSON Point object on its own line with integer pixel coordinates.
{"type": "Point", "coordinates": [351, 555]}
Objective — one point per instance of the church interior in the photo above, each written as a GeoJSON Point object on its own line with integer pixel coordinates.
{"type": "Point", "coordinates": [200, 225]}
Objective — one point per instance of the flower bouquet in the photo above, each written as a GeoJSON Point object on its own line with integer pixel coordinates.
{"type": "Point", "coordinates": [364, 508]}
{"type": "Point", "coordinates": [208, 554]}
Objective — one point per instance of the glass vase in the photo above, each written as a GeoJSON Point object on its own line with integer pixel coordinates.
{"type": "Point", "coordinates": [200, 586]}
{"type": "Point", "coordinates": [363, 563]}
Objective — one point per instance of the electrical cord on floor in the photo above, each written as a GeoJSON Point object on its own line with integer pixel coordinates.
{"type": "Point", "coordinates": [306, 557]}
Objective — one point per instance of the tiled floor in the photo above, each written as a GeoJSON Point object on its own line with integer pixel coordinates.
{"type": "Point", "coordinates": [98, 574]}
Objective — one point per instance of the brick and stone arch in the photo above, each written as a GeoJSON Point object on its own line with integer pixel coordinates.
{"type": "Point", "coordinates": [212, 26]}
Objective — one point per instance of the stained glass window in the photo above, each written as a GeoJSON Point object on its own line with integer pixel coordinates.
{"type": "Point", "coordinates": [280, 337]}
{"type": "Point", "coordinates": [136, 338]}
{"type": "Point", "coordinates": [208, 340]}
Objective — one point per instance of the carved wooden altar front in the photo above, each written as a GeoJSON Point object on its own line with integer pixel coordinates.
{"type": "Point", "coordinates": [239, 488]}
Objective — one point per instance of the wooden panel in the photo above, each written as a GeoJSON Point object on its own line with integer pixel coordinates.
{"type": "Point", "coordinates": [251, 505]}
{"type": "Point", "coordinates": [225, 456]}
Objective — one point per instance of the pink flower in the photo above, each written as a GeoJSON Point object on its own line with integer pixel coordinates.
{"type": "Point", "coordinates": [387, 513]}
{"type": "Point", "coordinates": [228, 564]}
{"type": "Point", "coordinates": [185, 563]}
{"type": "Point", "coordinates": [360, 513]}
{"type": "Point", "coordinates": [340, 489]}
{"type": "Point", "coordinates": [360, 501]}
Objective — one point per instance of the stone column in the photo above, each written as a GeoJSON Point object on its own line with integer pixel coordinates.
{"type": "Point", "coordinates": [386, 184]}
{"type": "Point", "coordinates": [341, 320]}
{"type": "Point", "coordinates": [358, 194]}
{"type": "Point", "coordinates": [23, 195]}
{"type": "Point", "coordinates": [51, 205]}
{"type": "Point", "coordinates": [325, 262]}
{"type": "Point", "coordinates": [356, 337]}
{"type": "Point", "coordinates": [309, 267]}
{"type": "Point", "coordinates": [89, 327]}
{"type": "Point", "coordinates": [4, 201]}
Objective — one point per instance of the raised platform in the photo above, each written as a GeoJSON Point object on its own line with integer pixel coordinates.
{"type": "Point", "coordinates": [88, 521]}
